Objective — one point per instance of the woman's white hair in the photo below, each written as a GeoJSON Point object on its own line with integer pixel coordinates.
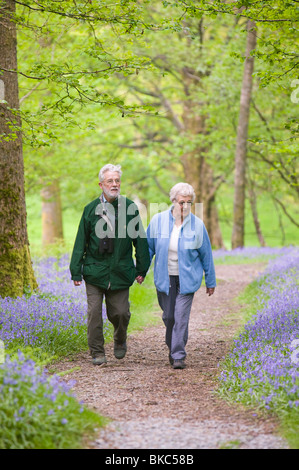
{"type": "Point", "coordinates": [109, 167]}
{"type": "Point", "coordinates": [182, 189]}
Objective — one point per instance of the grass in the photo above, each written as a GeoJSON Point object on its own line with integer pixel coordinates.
{"type": "Point", "coordinates": [236, 260]}
{"type": "Point", "coordinates": [270, 221]}
{"type": "Point", "coordinates": [234, 444]}
{"type": "Point", "coordinates": [144, 306]}
{"type": "Point", "coordinates": [289, 425]}
{"type": "Point", "coordinates": [248, 300]}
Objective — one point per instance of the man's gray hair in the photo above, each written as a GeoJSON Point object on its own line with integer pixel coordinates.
{"type": "Point", "coordinates": [182, 189]}
{"type": "Point", "coordinates": [109, 167]}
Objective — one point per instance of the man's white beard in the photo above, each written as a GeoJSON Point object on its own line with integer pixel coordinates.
{"type": "Point", "coordinates": [113, 194]}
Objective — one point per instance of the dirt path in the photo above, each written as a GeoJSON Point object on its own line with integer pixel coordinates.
{"type": "Point", "coordinates": [153, 406]}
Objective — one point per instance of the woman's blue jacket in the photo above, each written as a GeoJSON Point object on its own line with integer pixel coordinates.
{"type": "Point", "coordinates": [194, 252]}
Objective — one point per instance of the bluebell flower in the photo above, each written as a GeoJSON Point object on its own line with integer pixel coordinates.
{"type": "Point", "coordinates": [263, 348]}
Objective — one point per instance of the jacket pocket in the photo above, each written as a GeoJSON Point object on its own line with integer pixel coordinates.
{"type": "Point", "coordinates": [126, 273]}
{"type": "Point", "coordinates": [96, 273]}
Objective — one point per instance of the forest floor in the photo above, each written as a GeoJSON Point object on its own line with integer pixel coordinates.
{"type": "Point", "coordinates": [152, 406]}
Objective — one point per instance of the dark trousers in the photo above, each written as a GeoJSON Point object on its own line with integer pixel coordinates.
{"type": "Point", "coordinates": [118, 313]}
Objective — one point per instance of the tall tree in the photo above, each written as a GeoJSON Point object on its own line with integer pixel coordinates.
{"type": "Point", "coordinates": [74, 85]}
{"type": "Point", "coordinates": [15, 262]}
{"type": "Point", "coordinates": [180, 129]}
{"type": "Point", "coordinates": [52, 227]}
{"type": "Point", "coordinates": [198, 169]}
{"type": "Point", "coordinates": [242, 136]}
{"type": "Point", "coordinates": [276, 57]}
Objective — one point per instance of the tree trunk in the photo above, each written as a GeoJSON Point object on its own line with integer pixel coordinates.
{"type": "Point", "coordinates": [52, 230]}
{"type": "Point", "coordinates": [16, 269]}
{"type": "Point", "coordinates": [252, 199]}
{"type": "Point", "coordinates": [241, 147]}
{"type": "Point", "coordinates": [197, 171]}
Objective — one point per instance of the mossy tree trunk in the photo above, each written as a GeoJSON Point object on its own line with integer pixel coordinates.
{"type": "Point", "coordinates": [17, 274]}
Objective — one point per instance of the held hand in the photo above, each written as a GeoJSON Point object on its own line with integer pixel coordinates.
{"type": "Point", "coordinates": [77, 283]}
{"type": "Point", "coordinates": [139, 279]}
{"type": "Point", "coordinates": [210, 290]}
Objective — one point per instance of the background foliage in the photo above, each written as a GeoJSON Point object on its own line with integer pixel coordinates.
{"type": "Point", "coordinates": [99, 94]}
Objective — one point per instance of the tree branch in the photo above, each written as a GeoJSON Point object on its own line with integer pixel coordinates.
{"type": "Point", "coordinates": [258, 20]}
{"type": "Point", "coordinates": [213, 191]}
{"type": "Point", "coordinates": [23, 98]}
{"type": "Point", "coordinates": [144, 145]}
{"type": "Point", "coordinates": [80, 16]}
{"type": "Point", "coordinates": [285, 211]}
{"type": "Point", "coordinates": [172, 115]}
{"type": "Point", "coordinates": [263, 119]}
{"type": "Point", "coordinates": [272, 164]}
{"type": "Point", "coordinates": [81, 72]}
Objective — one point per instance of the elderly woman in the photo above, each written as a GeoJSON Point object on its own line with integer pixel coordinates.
{"type": "Point", "coordinates": [181, 246]}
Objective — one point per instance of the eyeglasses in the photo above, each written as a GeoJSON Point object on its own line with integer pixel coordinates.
{"type": "Point", "coordinates": [183, 203]}
{"type": "Point", "coordinates": [111, 181]}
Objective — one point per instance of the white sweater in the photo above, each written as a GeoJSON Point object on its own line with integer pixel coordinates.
{"type": "Point", "coordinates": [173, 265]}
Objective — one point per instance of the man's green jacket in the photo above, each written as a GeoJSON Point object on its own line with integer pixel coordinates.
{"type": "Point", "coordinates": [110, 270]}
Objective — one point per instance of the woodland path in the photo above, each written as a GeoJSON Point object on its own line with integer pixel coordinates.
{"type": "Point", "coordinates": [153, 406]}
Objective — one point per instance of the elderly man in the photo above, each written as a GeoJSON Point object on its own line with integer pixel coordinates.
{"type": "Point", "coordinates": [103, 255]}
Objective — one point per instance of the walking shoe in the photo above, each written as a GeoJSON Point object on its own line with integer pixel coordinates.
{"type": "Point", "coordinates": [170, 359]}
{"type": "Point", "coordinates": [179, 364]}
{"type": "Point", "coordinates": [120, 350]}
{"type": "Point", "coordinates": [99, 360]}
